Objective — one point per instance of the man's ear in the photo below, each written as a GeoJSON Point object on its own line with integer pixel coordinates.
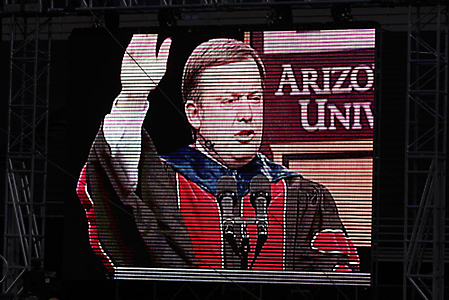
{"type": "Point", "coordinates": [193, 114]}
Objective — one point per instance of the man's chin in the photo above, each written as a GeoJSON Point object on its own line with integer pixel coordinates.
{"type": "Point", "coordinates": [238, 162]}
{"type": "Point", "coordinates": [236, 156]}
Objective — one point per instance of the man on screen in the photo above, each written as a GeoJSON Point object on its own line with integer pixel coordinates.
{"type": "Point", "coordinates": [218, 203]}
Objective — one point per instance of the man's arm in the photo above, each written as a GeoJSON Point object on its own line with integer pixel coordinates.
{"type": "Point", "coordinates": [125, 222]}
{"type": "Point", "coordinates": [142, 70]}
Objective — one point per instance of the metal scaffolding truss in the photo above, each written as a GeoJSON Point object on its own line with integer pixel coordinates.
{"type": "Point", "coordinates": [150, 6]}
{"type": "Point", "coordinates": [144, 5]}
{"type": "Point", "coordinates": [426, 142]}
{"type": "Point", "coordinates": [26, 164]}
{"type": "Point", "coordinates": [426, 138]}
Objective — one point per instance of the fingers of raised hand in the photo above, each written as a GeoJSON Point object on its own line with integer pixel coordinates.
{"type": "Point", "coordinates": [164, 50]}
{"type": "Point", "coordinates": [142, 67]}
{"type": "Point", "coordinates": [142, 46]}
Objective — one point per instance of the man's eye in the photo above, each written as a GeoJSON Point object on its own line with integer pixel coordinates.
{"type": "Point", "coordinates": [227, 100]}
{"type": "Point", "coordinates": [255, 98]}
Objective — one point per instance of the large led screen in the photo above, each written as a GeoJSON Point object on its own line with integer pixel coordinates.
{"type": "Point", "coordinates": [268, 180]}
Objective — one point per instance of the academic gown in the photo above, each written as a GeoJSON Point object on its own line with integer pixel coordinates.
{"type": "Point", "coordinates": [173, 218]}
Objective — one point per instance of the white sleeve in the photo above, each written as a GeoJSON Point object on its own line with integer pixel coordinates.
{"type": "Point", "coordinates": [122, 129]}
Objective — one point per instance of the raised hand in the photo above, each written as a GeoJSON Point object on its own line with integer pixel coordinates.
{"type": "Point", "coordinates": [142, 70]}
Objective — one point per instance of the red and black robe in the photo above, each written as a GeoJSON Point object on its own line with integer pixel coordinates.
{"type": "Point", "coordinates": [173, 218]}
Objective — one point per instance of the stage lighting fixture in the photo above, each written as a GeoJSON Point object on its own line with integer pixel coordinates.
{"type": "Point", "coordinates": [168, 17]}
{"type": "Point", "coordinates": [280, 15]}
{"type": "Point", "coordinates": [341, 13]}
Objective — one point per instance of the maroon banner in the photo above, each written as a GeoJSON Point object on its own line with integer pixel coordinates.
{"type": "Point", "coordinates": [321, 95]}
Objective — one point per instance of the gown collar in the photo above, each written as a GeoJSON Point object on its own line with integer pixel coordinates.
{"type": "Point", "coordinates": [201, 169]}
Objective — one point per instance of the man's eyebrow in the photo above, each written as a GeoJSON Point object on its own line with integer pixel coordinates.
{"type": "Point", "coordinates": [254, 92]}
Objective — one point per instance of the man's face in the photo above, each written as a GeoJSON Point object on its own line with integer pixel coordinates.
{"type": "Point", "coordinates": [230, 115]}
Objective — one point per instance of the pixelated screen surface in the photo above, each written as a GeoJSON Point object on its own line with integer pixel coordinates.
{"type": "Point", "coordinates": [272, 178]}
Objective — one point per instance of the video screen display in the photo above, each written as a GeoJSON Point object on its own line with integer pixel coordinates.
{"type": "Point", "coordinates": [235, 157]}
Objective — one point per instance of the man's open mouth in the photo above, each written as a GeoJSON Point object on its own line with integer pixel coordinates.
{"type": "Point", "coordinates": [244, 136]}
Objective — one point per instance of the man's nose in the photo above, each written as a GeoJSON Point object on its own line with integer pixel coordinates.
{"type": "Point", "coordinates": [244, 110]}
